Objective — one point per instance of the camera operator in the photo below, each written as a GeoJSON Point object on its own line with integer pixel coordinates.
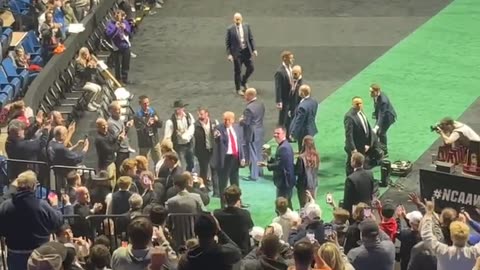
{"type": "Point", "coordinates": [453, 132]}
{"type": "Point", "coordinates": [147, 124]}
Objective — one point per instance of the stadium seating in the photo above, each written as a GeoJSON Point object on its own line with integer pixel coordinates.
{"type": "Point", "coordinates": [12, 71]}
{"type": "Point", "coordinates": [13, 81]}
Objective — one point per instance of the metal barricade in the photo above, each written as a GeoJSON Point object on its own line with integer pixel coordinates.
{"type": "Point", "coordinates": [3, 250]}
{"type": "Point", "coordinates": [17, 166]}
{"type": "Point", "coordinates": [114, 227]}
{"type": "Point", "coordinates": [58, 175]}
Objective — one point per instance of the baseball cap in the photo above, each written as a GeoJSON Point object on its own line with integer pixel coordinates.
{"type": "Point", "coordinates": [414, 217]}
{"type": "Point", "coordinates": [257, 233]}
{"type": "Point", "coordinates": [313, 211]}
{"type": "Point", "coordinates": [49, 256]}
{"type": "Point", "coordinates": [369, 228]}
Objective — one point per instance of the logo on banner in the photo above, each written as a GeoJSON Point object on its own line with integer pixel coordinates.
{"type": "Point", "coordinates": [455, 196]}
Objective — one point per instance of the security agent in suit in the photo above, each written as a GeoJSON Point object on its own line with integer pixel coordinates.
{"type": "Point", "coordinates": [252, 122]}
{"type": "Point", "coordinates": [384, 113]}
{"type": "Point", "coordinates": [283, 86]}
{"type": "Point", "coordinates": [282, 166]}
{"type": "Point", "coordinates": [359, 185]}
{"type": "Point", "coordinates": [229, 152]}
{"type": "Point", "coordinates": [359, 136]}
{"type": "Point", "coordinates": [240, 49]}
{"type": "Point", "coordinates": [294, 98]}
{"type": "Point", "coordinates": [184, 201]}
{"type": "Point", "coordinates": [303, 122]}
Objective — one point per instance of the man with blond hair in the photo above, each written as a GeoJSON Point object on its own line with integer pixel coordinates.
{"type": "Point", "coordinates": [229, 154]}
{"type": "Point", "coordinates": [26, 221]}
{"type": "Point", "coordinates": [252, 122]}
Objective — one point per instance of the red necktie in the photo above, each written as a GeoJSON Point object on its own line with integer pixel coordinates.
{"type": "Point", "coordinates": [233, 144]}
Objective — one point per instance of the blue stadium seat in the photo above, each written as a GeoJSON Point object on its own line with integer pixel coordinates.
{"type": "Point", "coordinates": [12, 71]}
{"type": "Point", "coordinates": [31, 49]}
{"type": "Point", "coordinates": [5, 40]}
{"type": "Point", "coordinates": [13, 81]}
{"type": "Point", "coordinates": [7, 89]}
{"type": "Point", "coordinates": [6, 94]}
{"type": "Point", "coordinates": [18, 7]}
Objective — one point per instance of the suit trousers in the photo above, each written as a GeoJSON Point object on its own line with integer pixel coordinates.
{"type": "Point", "coordinates": [282, 118]}
{"type": "Point", "coordinates": [185, 155]}
{"type": "Point", "coordinates": [228, 172]}
{"type": "Point", "coordinates": [121, 60]}
{"type": "Point", "coordinates": [204, 159]}
{"type": "Point", "coordinates": [287, 194]}
{"type": "Point", "coordinates": [245, 58]}
{"type": "Point", "coordinates": [382, 136]}
{"type": "Point", "coordinates": [254, 156]}
{"type": "Point", "coordinates": [154, 153]}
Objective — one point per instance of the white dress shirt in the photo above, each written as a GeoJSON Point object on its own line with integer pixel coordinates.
{"type": "Point", "coordinates": [229, 149]}
{"type": "Point", "coordinates": [186, 131]}
{"type": "Point", "coordinates": [363, 119]}
{"type": "Point", "coordinates": [241, 37]}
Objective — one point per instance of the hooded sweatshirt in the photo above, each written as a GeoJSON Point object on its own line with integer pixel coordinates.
{"type": "Point", "coordinates": [27, 222]}
{"type": "Point", "coordinates": [220, 256]}
{"type": "Point", "coordinates": [390, 227]}
{"type": "Point", "coordinates": [265, 263]}
{"type": "Point", "coordinates": [127, 258]}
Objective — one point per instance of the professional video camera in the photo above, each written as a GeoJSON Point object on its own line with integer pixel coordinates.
{"type": "Point", "coordinates": [435, 128]}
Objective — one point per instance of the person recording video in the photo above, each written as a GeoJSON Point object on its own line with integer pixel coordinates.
{"type": "Point", "coordinates": [453, 132]}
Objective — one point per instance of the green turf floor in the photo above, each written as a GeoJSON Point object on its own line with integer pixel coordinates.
{"type": "Point", "coordinates": [432, 73]}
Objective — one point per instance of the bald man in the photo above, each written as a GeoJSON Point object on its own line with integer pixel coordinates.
{"type": "Point", "coordinates": [294, 97]}
{"type": "Point", "coordinates": [252, 122]}
{"type": "Point", "coordinates": [303, 122]}
{"type": "Point", "coordinates": [240, 50]}
{"type": "Point", "coordinates": [359, 136]}
{"type": "Point", "coordinates": [107, 145]}
{"type": "Point", "coordinates": [59, 154]}
{"type": "Point", "coordinates": [229, 152]}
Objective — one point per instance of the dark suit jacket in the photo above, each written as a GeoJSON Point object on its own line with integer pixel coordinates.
{"type": "Point", "coordinates": [358, 188]}
{"type": "Point", "coordinates": [282, 85]}
{"type": "Point", "coordinates": [355, 136]}
{"type": "Point", "coordinates": [253, 121]}
{"type": "Point", "coordinates": [232, 40]}
{"type": "Point", "coordinates": [221, 143]}
{"type": "Point", "coordinates": [384, 112]}
{"type": "Point", "coordinates": [294, 97]}
{"type": "Point", "coordinates": [58, 154]}
{"type": "Point", "coordinates": [283, 167]}
{"type": "Point", "coordinates": [303, 122]}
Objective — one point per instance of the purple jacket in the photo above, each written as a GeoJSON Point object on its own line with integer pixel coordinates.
{"type": "Point", "coordinates": [115, 34]}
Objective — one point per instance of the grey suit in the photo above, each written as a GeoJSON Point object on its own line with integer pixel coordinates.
{"type": "Point", "coordinates": [185, 202]}
{"type": "Point", "coordinates": [254, 133]}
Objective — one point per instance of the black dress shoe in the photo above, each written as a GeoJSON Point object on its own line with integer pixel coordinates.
{"type": "Point", "coordinates": [247, 178]}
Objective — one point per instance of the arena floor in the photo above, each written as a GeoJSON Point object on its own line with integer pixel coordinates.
{"type": "Point", "coordinates": [343, 46]}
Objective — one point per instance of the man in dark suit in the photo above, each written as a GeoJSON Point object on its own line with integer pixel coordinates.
{"type": "Point", "coordinates": [294, 98]}
{"type": "Point", "coordinates": [282, 166]}
{"type": "Point", "coordinates": [358, 133]}
{"type": "Point", "coordinates": [283, 86]}
{"type": "Point", "coordinates": [384, 114]}
{"type": "Point", "coordinates": [229, 152]}
{"type": "Point", "coordinates": [240, 49]}
{"type": "Point", "coordinates": [203, 134]}
{"type": "Point", "coordinates": [303, 122]}
{"type": "Point", "coordinates": [18, 147]}
{"type": "Point", "coordinates": [252, 122]}
{"type": "Point", "coordinates": [359, 185]}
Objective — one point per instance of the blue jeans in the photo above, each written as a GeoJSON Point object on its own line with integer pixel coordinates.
{"type": "Point", "coordinates": [17, 261]}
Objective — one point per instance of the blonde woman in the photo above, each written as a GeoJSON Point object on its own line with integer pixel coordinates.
{"type": "Point", "coordinates": [85, 71]}
{"type": "Point", "coordinates": [166, 146]}
{"type": "Point", "coordinates": [306, 170]}
{"type": "Point", "coordinates": [330, 254]}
